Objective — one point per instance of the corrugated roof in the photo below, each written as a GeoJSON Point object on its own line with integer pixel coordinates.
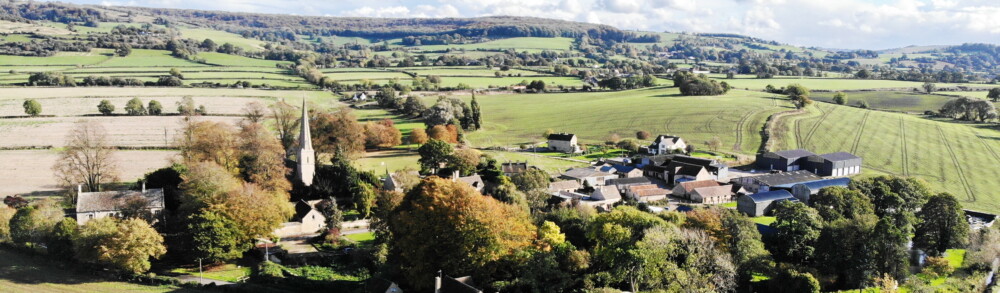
{"type": "Point", "coordinates": [820, 184]}
{"type": "Point", "coordinates": [839, 156]}
{"type": "Point", "coordinates": [771, 195]}
{"type": "Point", "coordinates": [630, 180]}
{"type": "Point", "coordinates": [794, 154]}
{"type": "Point", "coordinates": [113, 200]}
{"type": "Point", "coordinates": [786, 178]}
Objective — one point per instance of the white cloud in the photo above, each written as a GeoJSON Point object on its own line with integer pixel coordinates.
{"type": "Point", "coordinates": [870, 24]}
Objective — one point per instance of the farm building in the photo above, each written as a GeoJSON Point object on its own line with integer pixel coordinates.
{"type": "Point", "coordinates": [513, 168]}
{"type": "Point", "coordinates": [623, 183]}
{"type": "Point", "coordinates": [622, 171]}
{"type": "Point", "coordinates": [96, 205]}
{"type": "Point", "coordinates": [603, 197]}
{"type": "Point", "coordinates": [665, 144]}
{"type": "Point", "coordinates": [712, 194]}
{"type": "Point", "coordinates": [307, 220]}
{"type": "Point", "coordinates": [475, 181]}
{"type": "Point", "coordinates": [785, 161]}
{"type": "Point", "coordinates": [647, 192]}
{"type": "Point", "coordinates": [688, 173]}
{"type": "Point", "coordinates": [760, 204]}
{"type": "Point", "coordinates": [565, 185]}
{"type": "Point", "coordinates": [834, 164]}
{"type": "Point", "coordinates": [763, 183]}
{"type": "Point", "coordinates": [684, 189]}
{"type": "Point", "coordinates": [588, 175]}
{"type": "Point", "coordinates": [803, 191]}
{"type": "Point", "coordinates": [665, 167]}
{"type": "Point", "coordinates": [563, 142]}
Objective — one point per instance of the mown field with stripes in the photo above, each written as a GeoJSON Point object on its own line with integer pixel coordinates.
{"type": "Point", "coordinates": [959, 158]}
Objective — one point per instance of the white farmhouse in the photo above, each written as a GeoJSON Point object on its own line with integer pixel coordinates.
{"type": "Point", "coordinates": [666, 144]}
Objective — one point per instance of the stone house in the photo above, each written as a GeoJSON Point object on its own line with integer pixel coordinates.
{"type": "Point", "coordinates": [564, 142]}
{"type": "Point", "coordinates": [96, 205]}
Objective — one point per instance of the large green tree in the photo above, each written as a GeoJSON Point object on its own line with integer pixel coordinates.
{"type": "Point", "coordinates": [126, 245]}
{"type": "Point", "coordinates": [835, 203]}
{"type": "Point", "coordinates": [531, 179]}
{"type": "Point", "coordinates": [32, 224]}
{"type": "Point", "coordinates": [798, 227]}
{"type": "Point", "coordinates": [215, 238]}
{"type": "Point", "coordinates": [994, 94]}
{"type": "Point", "coordinates": [134, 107]}
{"type": "Point", "coordinates": [447, 226]}
{"type": "Point", "coordinates": [942, 225]}
{"type": "Point", "coordinates": [59, 242]}
{"type": "Point", "coordinates": [433, 155]}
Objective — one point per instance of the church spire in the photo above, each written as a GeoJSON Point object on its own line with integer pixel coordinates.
{"type": "Point", "coordinates": [305, 138]}
{"type": "Point", "coordinates": [306, 155]}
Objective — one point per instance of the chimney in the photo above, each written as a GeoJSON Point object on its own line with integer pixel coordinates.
{"type": "Point", "coordinates": [144, 187]}
{"type": "Point", "coordinates": [79, 189]}
{"type": "Point", "coordinates": [437, 283]}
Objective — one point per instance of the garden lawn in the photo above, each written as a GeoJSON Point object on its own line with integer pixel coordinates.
{"type": "Point", "coordinates": [225, 272]}
{"type": "Point", "coordinates": [21, 273]}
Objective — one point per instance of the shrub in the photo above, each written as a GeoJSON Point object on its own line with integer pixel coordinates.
{"type": "Point", "coordinates": [269, 269]}
{"type": "Point", "coordinates": [937, 266]}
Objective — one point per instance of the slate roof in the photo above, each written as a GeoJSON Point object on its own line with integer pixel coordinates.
{"type": "Point", "coordinates": [302, 208]}
{"type": "Point", "coordinates": [669, 138]}
{"type": "Point", "coordinates": [565, 184]}
{"type": "Point", "coordinates": [561, 136]}
{"type": "Point", "coordinates": [691, 185]}
{"type": "Point", "coordinates": [610, 192]}
{"type": "Point", "coordinates": [772, 195]}
{"type": "Point", "coordinates": [693, 160]}
{"type": "Point", "coordinates": [651, 192]}
{"type": "Point", "coordinates": [689, 170]}
{"type": "Point", "coordinates": [786, 178]}
{"type": "Point", "coordinates": [111, 200]}
{"type": "Point", "coordinates": [514, 167]}
{"type": "Point", "coordinates": [457, 285]}
{"type": "Point", "coordinates": [475, 181]}
{"type": "Point", "coordinates": [631, 180]}
{"type": "Point", "coordinates": [794, 154]}
{"type": "Point", "coordinates": [623, 168]}
{"type": "Point", "coordinates": [840, 156]}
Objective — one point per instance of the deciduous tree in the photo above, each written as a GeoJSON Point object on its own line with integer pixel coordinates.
{"type": "Point", "coordinates": [155, 108]}
{"type": "Point", "coordinates": [135, 107]}
{"type": "Point", "coordinates": [472, 232]}
{"type": "Point", "coordinates": [87, 158]}
{"type": "Point", "coordinates": [125, 245]}
{"type": "Point", "coordinates": [798, 227]}
{"type": "Point", "coordinates": [338, 132]}
{"type": "Point", "coordinates": [286, 122]}
{"type": "Point", "coordinates": [215, 238]}
{"type": "Point", "coordinates": [433, 155]}
{"type": "Point", "coordinates": [942, 225]}
{"type": "Point", "coordinates": [105, 107]}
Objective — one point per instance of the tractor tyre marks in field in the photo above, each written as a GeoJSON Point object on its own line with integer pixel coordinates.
{"type": "Point", "coordinates": [902, 143]}
{"type": "Point", "coordinates": [958, 167]}
{"type": "Point", "coordinates": [822, 118]}
{"type": "Point", "coordinates": [861, 131]}
{"type": "Point", "coordinates": [741, 127]}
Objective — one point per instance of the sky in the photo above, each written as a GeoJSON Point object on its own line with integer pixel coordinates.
{"type": "Point", "coordinates": [839, 24]}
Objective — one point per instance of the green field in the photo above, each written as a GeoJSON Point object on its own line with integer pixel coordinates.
{"type": "Point", "coordinates": [21, 273]}
{"type": "Point", "coordinates": [736, 118]}
{"type": "Point", "coordinates": [61, 58]}
{"type": "Point", "coordinates": [468, 71]}
{"type": "Point", "coordinates": [234, 60]}
{"type": "Point", "coordinates": [959, 158]}
{"type": "Point", "coordinates": [221, 37]}
{"type": "Point", "coordinates": [822, 83]}
{"type": "Point", "coordinates": [148, 58]}
{"type": "Point", "coordinates": [519, 44]}
{"type": "Point", "coordinates": [893, 101]}
{"type": "Point", "coordinates": [485, 82]}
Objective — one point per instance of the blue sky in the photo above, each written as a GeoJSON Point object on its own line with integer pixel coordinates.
{"type": "Point", "coordinates": [848, 24]}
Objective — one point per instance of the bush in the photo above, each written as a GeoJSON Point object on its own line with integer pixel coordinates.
{"type": "Point", "coordinates": [105, 107]}
{"type": "Point", "coordinates": [268, 269]}
{"type": "Point", "coordinates": [32, 107]}
{"type": "Point", "coordinates": [937, 266]}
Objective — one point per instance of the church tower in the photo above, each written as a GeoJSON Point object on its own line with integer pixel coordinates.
{"type": "Point", "coordinates": [306, 155]}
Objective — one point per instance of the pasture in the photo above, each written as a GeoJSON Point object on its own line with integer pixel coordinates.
{"type": "Point", "coordinates": [955, 157]}
{"type": "Point", "coordinates": [519, 44]}
{"type": "Point", "coordinates": [736, 118]}
{"type": "Point", "coordinates": [830, 84]}
{"type": "Point", "coordinates": [222, 37]}
{"type": "Point", "coordinates": [22, 273]}
{"type": "Point", "coordinates": [893, 101]}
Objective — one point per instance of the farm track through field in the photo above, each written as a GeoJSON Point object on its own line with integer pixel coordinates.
{"type": "Point", "coordinates": [666, 125]}
{"type": "Point", "coordinates": [906, 155]}
{"type": "Point", "coordinates": [958, 167]}
{"type": "Point", "coordinates": [822, 118]}
{"type": "Point", "coordinates": [861, 130]}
